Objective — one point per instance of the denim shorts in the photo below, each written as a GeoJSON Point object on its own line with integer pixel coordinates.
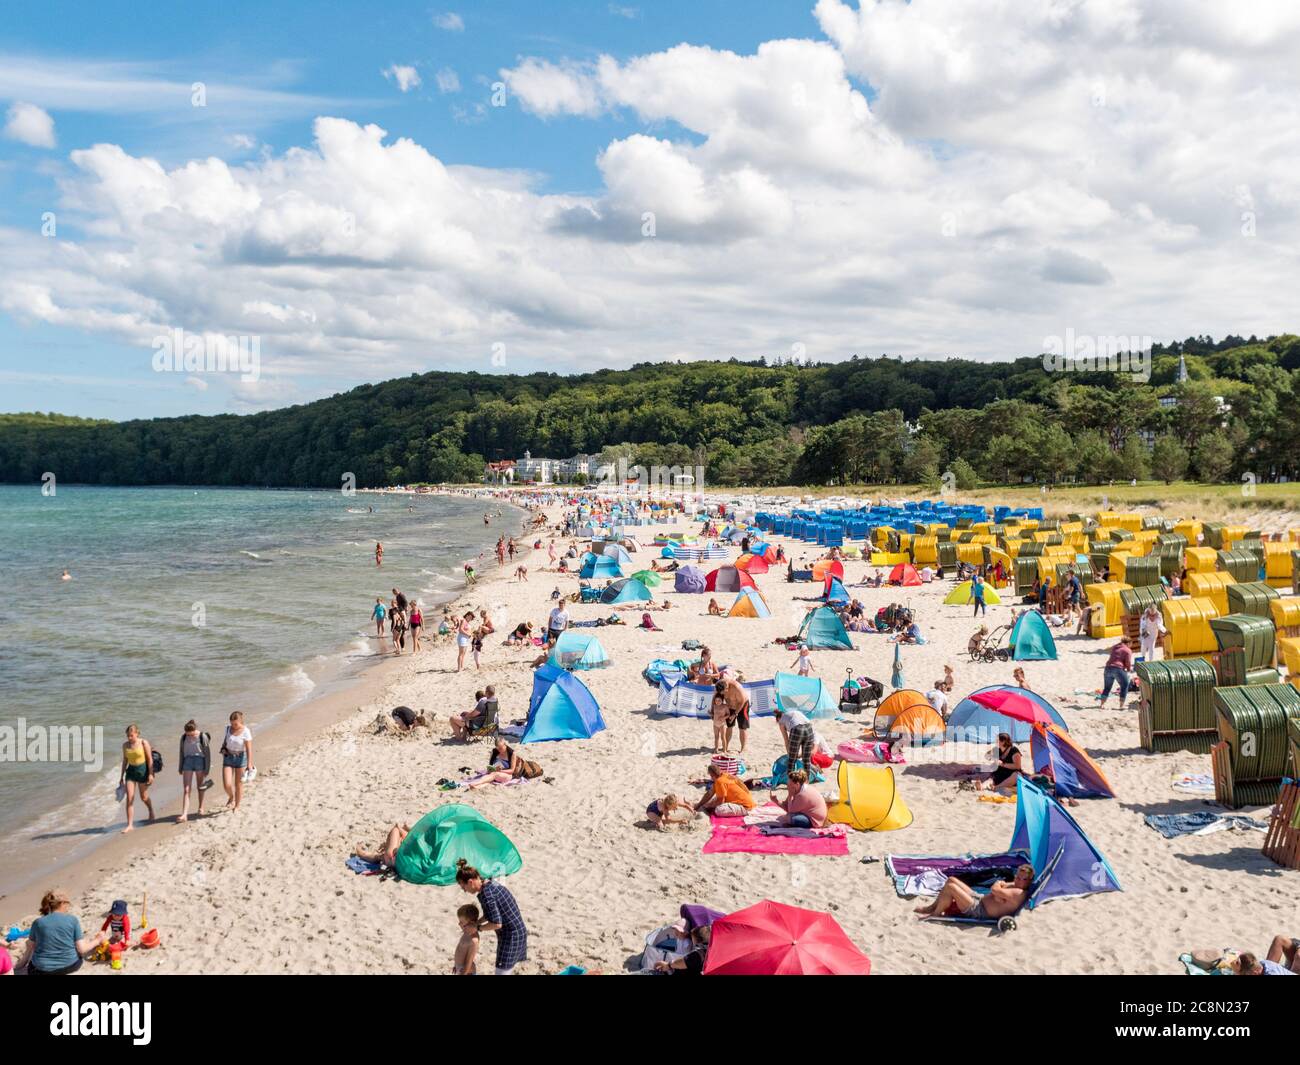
{"type": "Point", "coordinates": [235, 761]}
{"type": "Point", "coordinates": [193, 763]}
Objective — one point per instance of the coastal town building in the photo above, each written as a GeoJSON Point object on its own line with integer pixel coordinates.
{"type": "Point", "coordinates": [529, 470]}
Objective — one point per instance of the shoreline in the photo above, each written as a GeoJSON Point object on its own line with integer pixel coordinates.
{"type": "Point", "coordinates": [279, 734]}
{"type": "Point", "coordinates": [267, 891]}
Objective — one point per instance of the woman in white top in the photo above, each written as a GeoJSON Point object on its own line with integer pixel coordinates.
{"type": "Point", "coordinates": [237, 756]}
{"type": "Point", "coordinates": [1151, 628]}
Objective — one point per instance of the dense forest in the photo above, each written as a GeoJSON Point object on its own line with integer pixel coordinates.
{"type": "Point", "coordinates": [861, 421]}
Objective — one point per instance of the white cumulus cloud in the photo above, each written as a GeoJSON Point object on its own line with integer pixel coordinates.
{"type": "Point", "coordinates": [407, 77]}
{"type": "Point", "coordinates": [30, 124]}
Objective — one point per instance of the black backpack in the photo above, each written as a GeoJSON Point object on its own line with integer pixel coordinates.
{"type": "Point", "coordinates": [157, 761]}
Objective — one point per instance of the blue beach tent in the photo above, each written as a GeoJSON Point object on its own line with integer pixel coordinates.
{"type": "Point", "coordinates": [577, 650]}
{"type": "Point", "coordinates": [596, 566]}
{"type": "Point", "coordinates": [970, 722]}
{"type": "Point", "coordinates": [1044, 828]}
{"type": "Point", "coordinates": [561, 708]}
{"type": "Point", "coordinates": [627, 590]}
{"type": "Point", "coordinates": [805, 694]}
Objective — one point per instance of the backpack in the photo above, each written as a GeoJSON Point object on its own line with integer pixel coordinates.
{"type": "Point", "coordinates": [157, 761]}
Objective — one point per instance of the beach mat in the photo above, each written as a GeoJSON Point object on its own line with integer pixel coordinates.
{"type": "Point", "coordinates": [732, 836]}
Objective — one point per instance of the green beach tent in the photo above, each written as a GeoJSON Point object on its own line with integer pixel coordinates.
{"type": "Point", "coordinates": [1031, 640]}
{"type": "Point", "coordinates": [823, 628]}
{"type": "Point", "coordinates": [429, 853]}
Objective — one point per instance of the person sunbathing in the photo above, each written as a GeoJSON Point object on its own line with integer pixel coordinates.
{"type": "Point", "coordinates": [1285, 951]}
{"type": "Point", "coordinates": [1009, 768]}
{"type": "Point", "coordinates": [387, 854]}
{"type": "Point", "coordinates": [958, 899]}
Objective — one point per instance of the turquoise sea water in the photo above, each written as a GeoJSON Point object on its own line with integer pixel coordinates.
{"type": "Point", "coordinates": [191, 602]}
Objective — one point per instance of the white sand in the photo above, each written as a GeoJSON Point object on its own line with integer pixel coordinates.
{"type": "Point", "coordinates": [266, 890]}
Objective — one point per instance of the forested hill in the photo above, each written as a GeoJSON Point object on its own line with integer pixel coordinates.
{"type": "Point", "coordinates": [878, 421]}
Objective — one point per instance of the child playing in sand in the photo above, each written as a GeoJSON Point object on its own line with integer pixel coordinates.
{"type": "Point", "coordinates": [118, 924]}
{"type": "Point", "coordinates": [466, 961]}
{"type": "Point", "coordinates": [661, 811]}
{"type": "Point", "coordinates": [714, 609]}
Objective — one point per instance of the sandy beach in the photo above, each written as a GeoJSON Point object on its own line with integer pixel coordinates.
{"type": "Point", "coordinates": [265, 890]}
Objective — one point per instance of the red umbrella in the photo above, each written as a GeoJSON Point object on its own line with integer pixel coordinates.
{"type": "Point", "coordinates": [1014, 705]}
{"type": "Point", "coordinates": [772, 939]}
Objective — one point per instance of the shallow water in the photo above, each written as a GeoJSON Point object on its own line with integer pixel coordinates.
{"type": "Point", "coordinates": [187, 603]}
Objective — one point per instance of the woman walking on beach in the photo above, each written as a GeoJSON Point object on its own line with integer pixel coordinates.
{"type": "Point", "coordinates": [195, 763]}
{"type": "Point", "coordinates": [379, 613]}
{"type": "Point", "coordinates": [136, 774]}
{"type": "Point", "coordinates": [237, 756]}
{"type": "Point", "coordinates": [500, 915]}
{"type": "Point", "coordinates": [416, 620]}
{"type": "Point", "coordinates": [464, 638]}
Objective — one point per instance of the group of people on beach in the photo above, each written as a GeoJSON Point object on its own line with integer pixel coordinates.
{"type": "Point", "coordinates": [141, 763]}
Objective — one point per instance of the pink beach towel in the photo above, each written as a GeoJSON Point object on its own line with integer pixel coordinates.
{"type": "Point", "coordinates": [867, 751]}
{"type": "Point", "coordinates": [732, 836]}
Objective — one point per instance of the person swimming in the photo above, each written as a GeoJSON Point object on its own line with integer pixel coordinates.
{"type": "Point", "coordinates": [66, 576]}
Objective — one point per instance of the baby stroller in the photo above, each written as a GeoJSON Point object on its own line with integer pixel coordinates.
{"type": "Point", "coordinates": [994, 647]}
{"type": "Point", "coordinates": [859, 693]}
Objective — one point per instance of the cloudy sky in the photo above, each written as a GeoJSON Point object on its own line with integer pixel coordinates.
{"type": "Point", "coordinates": [376, 190]}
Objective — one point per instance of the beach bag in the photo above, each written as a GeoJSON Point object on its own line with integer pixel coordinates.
{"type": "Point", "coordinates": [157, 761]}
{"type": "Point", "coordinates": [691, 645]}
{"type": "Point", "coordinates": [529, 770]}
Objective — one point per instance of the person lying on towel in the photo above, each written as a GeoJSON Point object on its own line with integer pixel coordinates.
{"type": "Point", "coordinates": [958, 899]}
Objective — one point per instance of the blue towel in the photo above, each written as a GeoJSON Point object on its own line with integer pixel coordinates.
{"type": "Point", "coordinates": [362, 867]}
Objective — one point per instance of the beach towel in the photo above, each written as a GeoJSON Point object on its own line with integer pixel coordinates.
{"type": "Point", "coordinates": [867, 751]}
{"type": "Point", "coordinates": [1201, 823]}
{"type": "Point", "coordinates": [362, 867]}
{"type": "Point", "coordinates": [731, 835]}
{"type": "Point", "coordinates": [1195, 783]}
{"type": "Point", "coordinates": [997, 798]}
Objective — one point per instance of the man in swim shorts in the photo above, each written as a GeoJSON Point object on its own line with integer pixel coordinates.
{"type": "Point", "coordinates": [731, 692]}
{"type": "Point", "coordinates": [958, 899]}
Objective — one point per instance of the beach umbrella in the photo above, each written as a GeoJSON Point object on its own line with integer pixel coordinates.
{"type": "Point", "coordinates": [1012, 704]}
{"type": "Point", "coordinates": [772, 939]}
{"type": "Point", "coordinates": [897, 679]}
{"type": "Point", "coordinates": [648, 577]}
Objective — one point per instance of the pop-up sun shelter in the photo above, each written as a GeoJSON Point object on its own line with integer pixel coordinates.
{"type": "Point", "coordinates": [688, 579]}
{"type": "Point", "coordinates": [576, 650]}
{"type": "Point", "coordinates": [599, 566]}
{"type": "Point", "coordinates": [1043, 826]}
{"type": "Point", "coordinates": [1077, 776]}
{"type": "Point", "coordinates": [905, 574]}
{"type": "Point", "coordinates": [561, 708]}
{"type": "Point", "coordinates": [962, 595]}
{"type": "Point", "coordinates": [728, 579]}
{"type": "Point", "coordinates": [1031, 640]}
{"type": "Point", "coordinates": [749, 604]}
{"type": "Point", "coordinates": [869, 799]}
{"type": "Point", "coordinates": [808, 695]}
{"type": "Point", "coordinates": [752, 563]}
{"type": "Point", "coordinates": [833, 591]}
{"type": "Point", "coordinates": [627, 590]}
{"type": "Point", "coordinates": [430, 850]}
{"type": "Point", "coordinates": [1066, 862]}
{"type": "Point", "coordinates": [823, 628]}
{"type": "Point", "coordinates": [971, 722]}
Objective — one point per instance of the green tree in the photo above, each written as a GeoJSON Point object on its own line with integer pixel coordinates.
{"type": "Point", "coordinates": [1169, 459]}
{"type": "Point", "coordinates": [1212, 458]}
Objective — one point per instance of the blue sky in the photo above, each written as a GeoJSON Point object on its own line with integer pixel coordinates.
{"type": "Point", "coordinates": [826, 178]}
